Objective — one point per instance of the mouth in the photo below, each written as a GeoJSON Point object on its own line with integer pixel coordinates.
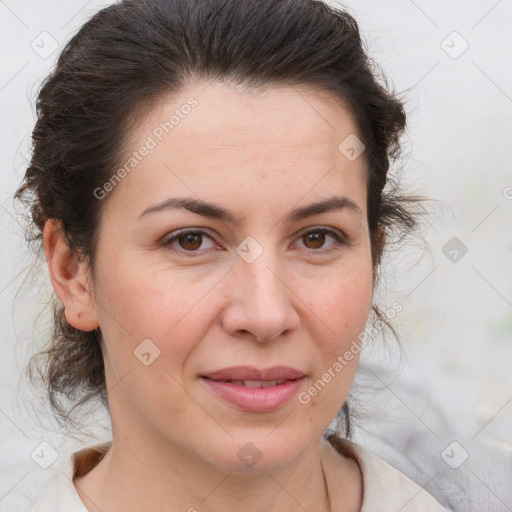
{"type": "Point", "coordinates": [249, 373]}
{"type": "Point", "coordinates": [255, 390]}
{"type": "Point", "coordinates": [253, 383]}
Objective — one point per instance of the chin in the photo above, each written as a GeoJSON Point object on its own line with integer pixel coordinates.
{"type": "Point", "coordinates": [255, 452]}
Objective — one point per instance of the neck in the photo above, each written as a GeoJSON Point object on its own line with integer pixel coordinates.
{"type": "Point", "coordinates": [175, 480]}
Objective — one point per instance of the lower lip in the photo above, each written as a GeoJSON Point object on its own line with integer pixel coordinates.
{"type": "Point", "coordinates": [255, 399]}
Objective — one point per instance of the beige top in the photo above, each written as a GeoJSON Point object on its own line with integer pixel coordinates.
{"type": "Point", "coordinates": [385, 489]}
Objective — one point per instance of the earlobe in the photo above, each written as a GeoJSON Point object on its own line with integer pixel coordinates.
{"type": "Point", "coordinates": [70, 278]}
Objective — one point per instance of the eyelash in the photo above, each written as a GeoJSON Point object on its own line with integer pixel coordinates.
{"type": "Point", "coordinates": [340, 239]}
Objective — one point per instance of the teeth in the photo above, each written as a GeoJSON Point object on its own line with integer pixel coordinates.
{"type": "Point", "coordinates": [255, 383]}
{"type": "Point", "coordinates": [252, 383]}
{"type": "Point", "coordinates": [262, 383]}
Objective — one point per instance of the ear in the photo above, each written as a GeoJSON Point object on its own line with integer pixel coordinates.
{"type": "Point", "coordinates": [70, 278]}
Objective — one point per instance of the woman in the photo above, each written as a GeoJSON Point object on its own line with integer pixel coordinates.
{"type": "Point", "coordinates": [207, 181]}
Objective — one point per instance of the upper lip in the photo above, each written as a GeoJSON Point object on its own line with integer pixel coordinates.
{"type": "Point", "coordinates": [251, 373]}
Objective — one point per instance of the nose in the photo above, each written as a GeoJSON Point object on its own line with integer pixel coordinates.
{"type": "Point", "coordinates": [261, 303]}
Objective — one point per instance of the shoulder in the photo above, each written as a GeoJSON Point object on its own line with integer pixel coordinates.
{"type": "Point", "coordinates": [61, 495]}
{"type": "Point", "coordinates": [385, 489]}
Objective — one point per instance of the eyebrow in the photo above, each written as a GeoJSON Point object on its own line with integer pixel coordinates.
{"type": "Point", "coordinates": [214, 211]}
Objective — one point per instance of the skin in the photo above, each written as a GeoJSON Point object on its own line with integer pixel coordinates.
{"type": "Point", "coordinates": [300, 303]}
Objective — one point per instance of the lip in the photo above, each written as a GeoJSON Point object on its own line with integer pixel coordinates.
{"type": "Point", "coordinates": [260, 399]}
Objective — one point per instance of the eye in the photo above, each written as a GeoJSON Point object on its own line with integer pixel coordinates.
{"type": "Point", "coordinates": [188, 241]}
{"type": "Point", "coordinates": [315, 239]}
{"type": "Point", "coordinates": [191, 241]}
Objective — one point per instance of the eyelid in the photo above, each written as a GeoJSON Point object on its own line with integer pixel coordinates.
{"type": "Point", "coordinates": [337, 234]}
{"type": "Point", "coordinates": [171, 237]}
{"type": "Point", "coordinates": [326, 229]}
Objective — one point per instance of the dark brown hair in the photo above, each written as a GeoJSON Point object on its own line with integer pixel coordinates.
{"type": "Point", "coordinates": [131, 54]}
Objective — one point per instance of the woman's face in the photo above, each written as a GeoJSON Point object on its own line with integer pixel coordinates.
{"type": "Point", "coordinates": [205, 309]}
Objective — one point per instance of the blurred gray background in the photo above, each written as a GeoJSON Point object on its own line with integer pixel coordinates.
{"type": "Point", "coordinates": [442, 411]}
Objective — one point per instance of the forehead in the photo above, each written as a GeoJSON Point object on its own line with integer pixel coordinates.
{"type": "Point", "coordinates": [232, 114]}
{"type": "Point", "coordinates": [214, 139]}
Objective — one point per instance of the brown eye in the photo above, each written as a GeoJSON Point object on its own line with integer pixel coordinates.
{"type": "Point", "coordinates": [316, 240]}
{"type": "Point", "coordinates": [190, 241]}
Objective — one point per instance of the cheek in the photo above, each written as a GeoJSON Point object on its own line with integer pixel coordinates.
{"type": "Point", "coordinates": [338, 356]}
{"type": "Point", "coordinates": [164, 306]}
{"type": "Point", "coordinates": [354, 305]}
{"type": "Point", "coordinates": [147, 307]}
{"type": "Point", "coordinates": [341, 310]}
{"type": "Point", "coordinates": [343, 307]}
